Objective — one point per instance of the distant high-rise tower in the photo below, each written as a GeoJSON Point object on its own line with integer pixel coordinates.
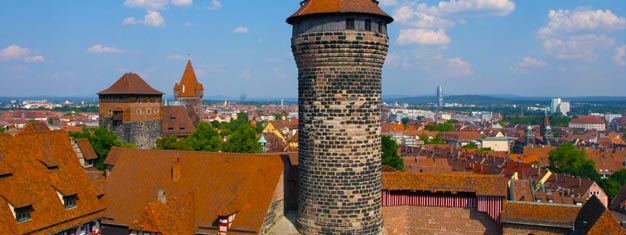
{"type": "Point", "coordinates": [440, 96]}
{"type": "Point", "coordinates": [189, 90]}
{"type": "Point", "coordinates": [130, 108]}
{"type": "Point", "coordinates": [339, 47]}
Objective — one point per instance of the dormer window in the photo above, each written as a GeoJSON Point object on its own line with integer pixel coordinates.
{"type": "Point", "coordinates": [22, 214]}
{"type": "Point", "coordinates": [350, 23]}
{"type": "Point", "coordinates": [70, 201]}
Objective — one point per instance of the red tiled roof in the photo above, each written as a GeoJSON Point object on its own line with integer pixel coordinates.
{"type": "Point", "coordinates": [130, 83]}
{"type": "Point", "coordinates": [176, 118]}
{"type": "Point", "coordinates": [214, 178]}
{"type": "Point", "coordinates": [546, 214]}
{"type": "Point", "coordinates": [32, 127]}
{"type": "Point", "coordinates": [172, 217]}
{"type": "Point", "coordinates": [595, 219]}
{"type": "Point", "coordinates": [488, 185]}
{"type": "Point", "coordinates": [86, 149]}
{"type": "Point", "coordinates": [313, 7]}
{"type": "Point", "coordinates": [35, 184]}
{"type": "Point", "coordinates": [588, 120]}
{"type": "Point", "coordinates": [188, 83]}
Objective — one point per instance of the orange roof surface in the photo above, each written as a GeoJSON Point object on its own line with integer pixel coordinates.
{"type": "Point", "coordinates": [86, 149]}
{"type": "Point", "coordinates": [130, 84]}
{"type": "Point", "coordinates": [176, 118]}
{"type": "Point", "coordinates": [35, 184]}
{"type": "Point", "coordinates": [168, 218]}
{"type": "Point", "coordinates": [35, 127]}
{"type": "Point", "coordinates": [591, 119]}
{"type": "Point", "coordinates": [313, 7]}
{"type": "Point", "coordinates": [188, 83]}
{"type": "Point", "coordinates": [547, 214]}
{"type": "Point", "coordinates": [595, 219]}
{"type": "Point", "coordinates": [488, 185]}
{"type": "Point", "coordinates": [216, 179]}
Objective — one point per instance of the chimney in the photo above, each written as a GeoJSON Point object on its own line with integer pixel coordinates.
{"type": "Point", "coordinates": [176, 170]}
{"type": "Point", "coordinates": [161, 196]}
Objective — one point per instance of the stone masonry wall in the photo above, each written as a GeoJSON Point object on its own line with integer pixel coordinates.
{"type": "Point", "coordinates": [339, 91]}
{"type": "Point", "coordinates": [143, 134]}
{"type": "Point", "coordinates": [277, 208]}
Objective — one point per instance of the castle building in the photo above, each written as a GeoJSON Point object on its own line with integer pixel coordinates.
{"type": "Point", "coordinates": [130, 108]}
{"type": "Point", "coordinates": [339, 47]}
{"type": "Point", "coordinates": [189, 91]}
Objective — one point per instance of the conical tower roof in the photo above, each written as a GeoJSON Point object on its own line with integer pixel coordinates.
{"type": "Point", "coordinates": [130, 84]}
{"type": "Point", "coordinates": [313, 7]}
{"type": "Point", "coordinates": [188, 83]}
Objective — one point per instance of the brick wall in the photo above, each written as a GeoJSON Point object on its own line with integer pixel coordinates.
{"type": "Point", "coordinates": [339, 97]}
{"type": "Point", "coordinates": [437, 220]}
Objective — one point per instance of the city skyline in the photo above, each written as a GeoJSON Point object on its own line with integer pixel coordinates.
{"type": "Point", "coordinates": [553, 49]}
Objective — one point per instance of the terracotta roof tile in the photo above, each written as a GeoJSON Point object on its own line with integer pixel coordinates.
{"type": "Point", "coordinates": [591, 119]}
{"type": "Point", "coordinates": [169, 218]}
{"type": "Point", "coordinates": [547, 214]}
{"type": "Point", "coordinates": [312, 7]}
{"type": "Point", "coordinates": [86, 149]}
{"type": "Point", "coordinates": [33, 183]}
{"type": "Point", "coordinates": [35, 127]}
{"type": "Point", "coordinates": [595, 219]}
{"type": "Point", "coordinates": [176, 121]}
{"type": "Point", "coordinates": [488, 185]}
{"type": "Point", "coordinates": [130, 83]}
{"type": "Point", "coordinates": [189, 84]}
{"type": "Point", "coordinates": [214, 178]}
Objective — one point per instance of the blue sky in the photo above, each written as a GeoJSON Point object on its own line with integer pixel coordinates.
{"type": "Point", "coordinates": [529, 48]}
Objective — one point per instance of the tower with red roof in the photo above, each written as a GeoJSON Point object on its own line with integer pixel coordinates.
{"type": "Point", "coordinates": [339, 47]}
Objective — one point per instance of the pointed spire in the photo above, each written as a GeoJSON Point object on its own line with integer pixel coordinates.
{"type": "Point", "coordinates": [189, 85]}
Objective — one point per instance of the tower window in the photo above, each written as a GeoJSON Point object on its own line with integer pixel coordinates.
{"type": "Point", "coordinates": [22, 214]}
{"type": "Point", "coordinates": [380, 27]}
{"type": "Point", "coordinates": [368, 25]}
{"type": "Point", "coordinates": [350, 23]}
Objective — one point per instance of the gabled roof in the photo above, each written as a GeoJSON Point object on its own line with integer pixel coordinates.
{"type": "Point", "coordinates": [176, 118]}
{"type": "Point", "coordinates": [130, 84]}
{"type": "Point", "coordinates": [482, 185]}
{"type": "Point", "coordinates": [188, 83]}
{"type": "Point", "coordinates": [34, 184]}
{"type": "Point", "coordinates": [314, 7]}
{"type": "Point", "coordinates": [168, 218]}
{"type": "Point", "coordinates": [595, 219]}
{"type": "Point", "coordinates": [216, 179]}
{"type": "Point", "coordinates": [541, 214]}
{"type": "Point", "coordinates": [86, 149]}
{"type": "Point", "coordinates": [32, 127]}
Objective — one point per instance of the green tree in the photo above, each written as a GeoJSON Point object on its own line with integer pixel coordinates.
{"type": "Point", "coordinates": [567, 159]}
{"type": "Point", "coordinates": [611, 187]}
{"type": "Point", "coordinates": [102, 140]}
{"type": "Point", "coordinates": [243, 140]}
{"type": "Point", "coordinates": [390, 155]}
{"type": "Point", "coordinates": [404, 121]}
{"type": "Point", "coordinates": [440, 127]}
{"type": "Point", "coordinates": [170, 142]}
{"type": "Point", "coordinates": [1, 130]}
{"type": "Point", "coordinates": [204, 138]}
{"type": "Point", "coordinates": [453, 121]}
{"type": "Point", "coordinates": [242, 119]}
{"type": "Point", "coordinates": [470, 146]}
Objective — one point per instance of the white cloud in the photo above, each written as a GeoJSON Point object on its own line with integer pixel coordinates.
{"type": "Point", "coordinates": [175, 57]}
{"type": "Point", "coordinates": [278, 72]}
{"type": "Point", "coordinates": [35, 59]}
{"type": "Point", "coordinates": [182, 3]}
{"type": "Point", "coordinates": [577, 47]}
{"type": "Point", "coordinates": [408, 16]}
{"type": "Point", "coordinates": [423, 37]}
{"type": "Point", "coordinates": [565, 21]}
{"type": "Point", "coordinates": [147, 4]}
{"type": "Point", "coordinates": [477, 7]}
{"type": "Point", "coordinates": [152, 18]}
{"type": "Point", "coordinates": [13, 52]}
{"type": "Point", "coordinates": [392, 60]}
{"type": "Point", "coordinates": [529, 62]}
{"type": "Point", "coordinates": [215, 5]}
{"type": "Point", "coordinates": [457, 67]}
{"type": "Point", "coordinates": [103, 49]}
{"type": "Point", "coordinates": [240, 29]}
{"type": "Point", "coordinates": [620, 55]}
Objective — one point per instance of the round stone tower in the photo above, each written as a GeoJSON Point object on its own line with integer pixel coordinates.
{"type": "Point", "coordinates": [339, 47]}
